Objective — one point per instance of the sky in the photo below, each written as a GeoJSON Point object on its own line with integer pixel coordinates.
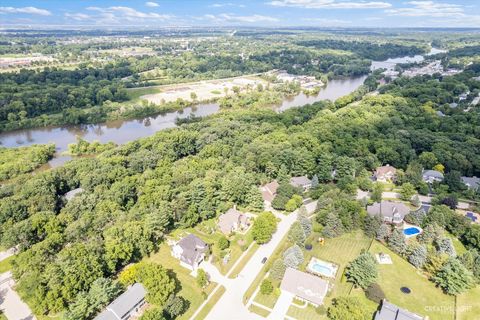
{"type": "Point", "coordinates": [266, 13]}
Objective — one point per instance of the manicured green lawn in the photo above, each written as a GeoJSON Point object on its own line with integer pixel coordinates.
{"type": "Point", "coordinates": [260, 311]}
{"type": "Point", "coordinates": [6, 264]}
{"type": "Point", "coordinates": [425, 298]}
{"type": "Point", "coordinates": [189, 288]}
{"type": "Point", "coordinates": [468, 305]}
{"type": "Point", "coordinates": [206, 309]}
{"type": "Point", "coordinates": [459, 247]}
{"type": "Point", "coordinates": [251, 251]}
{"type": "Point", "coordinates": [267, 300]}
{"type": "Point", "coordinates": [307, 313]}
{"type": "Point", "coordinates": [341, 251]}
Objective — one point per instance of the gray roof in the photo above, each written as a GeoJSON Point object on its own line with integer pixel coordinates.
{"type": "Point", "coordinates": [230, 219]}
{"type": "Point", "coordinates": [305, 285]}
{"type": "Point", "coordinates": [388, 209]}
{"type": "Point", "coordinates": [471, 182]}
{"type": "Point", "coordinates": [124, 304]}
{"type": "Point", "coordinates": [192, 247]}
{"type": "Point", "coordinates": [389, 311]}
{"type": "Point", "coordinates": [72, 193]}
{"type": "Point", "coordinates": [432, 173]}
{"type": "Point", "coordinates": [300, 181]}
{"type": "Point", "coordinates": [440, 113]}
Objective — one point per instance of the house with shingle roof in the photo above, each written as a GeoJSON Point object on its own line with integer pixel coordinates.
{"type": "Point", "coordinates": [385, 173]}
{"type": "Point", "coordinates": [269, 191]}
{"type": "Point", "coordinates": [127, 305]}
{"type": "Point", "coordinates": [431, 176]}
{"type": "Point", "coordinates": [232, 220]}
{"type": "Point", "coordinates": [389, 311]}
{"type": "Point", "coordinates": [389, 211]}
{"type": "Point", "coordinates": [471, 182]}
{"type": "Point", "coordinates": [301, 182]}
{"type": "Point", "coordinates": [190, 250]}
{"type": "Point", "coordinates": [305, 286]}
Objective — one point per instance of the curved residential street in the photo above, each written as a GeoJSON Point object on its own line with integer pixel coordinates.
{"type": "Point", "coordinates": [230, 306]}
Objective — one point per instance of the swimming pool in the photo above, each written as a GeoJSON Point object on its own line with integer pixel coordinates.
{"type": "Point", "coordinates": [411, 231]}
{"type": "Point", "coordinates": [322, 268]}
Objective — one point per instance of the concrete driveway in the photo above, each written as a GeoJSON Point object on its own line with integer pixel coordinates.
{"type": "Point", "coordinates": [10, 303]}
{"type": "Point", "coordinates": [230, 306]}
{"type": "Point", "coordinates": [281, 307]}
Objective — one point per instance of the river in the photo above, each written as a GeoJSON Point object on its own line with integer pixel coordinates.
{"type": "Point", "coordinates": [122, 131]}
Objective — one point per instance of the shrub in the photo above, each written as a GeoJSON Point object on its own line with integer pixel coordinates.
{"type": "Point", "coordinates": [278, 269]}
{"type": "Point", "coordinates": [223, 243]}
{"type": "Point", "coordinates": [321, 310]}
{"type": "Point", "coordinates": [266, 287]}
{"type": "Point", "coordinates": [362, 271]}
{"type": "Point", "coordinates": [293, 256]}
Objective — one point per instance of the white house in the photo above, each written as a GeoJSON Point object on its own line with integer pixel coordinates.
{"type": "Point", "coordinates": [190, 250]}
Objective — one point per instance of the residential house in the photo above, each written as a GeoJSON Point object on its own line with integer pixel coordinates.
{"type": "Point", "coordinates": [471, 182]}
{"type": "Point", "coordinates": [127, 305]}
{"type": "Point", "coordinates": [72, 193]}
{"type": "Point", "coordinates": [440, 113]}
{"type": "Point", "coordinates": [301, 182]}
{"type": "Point", "coordinates": [269, 191]}
{"type": "Point", "coordinates": [431, 176]}
{"type": "Point", "coordinates": [233, 220]}
{"type": "Point", "coordinates": [389, 211]}
{"type": "Point", "coordinates": [389, 311]}
{"type": "Point", "coordinates": [385, 173]}
{"type": "Point", "coordinates": [305, 286]}
{"type": "Point", "coordinates": [190, 250]}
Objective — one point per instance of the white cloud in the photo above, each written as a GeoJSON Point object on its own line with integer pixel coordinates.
{"type": "Point", "coordinates": [78, 16]}
{"type": "Point", "coordinates": [331, 4]}
{"type": "Point", "coordinates": [428, 9]}
{"type": "Point", "coordinates": [28, 10]}
{"type": "Point", "coordinates": [230, 18]}
{"type": "Point", "coordinates": [327, 22]}
{"type": "Point", "coordinates": [227, 4]}
{"type": "Point", "coordinates": [119, 14]}
{"type": "Point", "coordinates": [151, 4]}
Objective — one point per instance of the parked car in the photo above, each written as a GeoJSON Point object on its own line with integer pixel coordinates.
{"type": "Point", "coordinates": [264, 260]}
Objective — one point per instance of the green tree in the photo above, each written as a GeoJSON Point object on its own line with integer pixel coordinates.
{"type": "Point", "coordinates": [453, 277]}
{"type": "Point", "coordinates": [154, 313]}
{"type": "Point", "coordinates": [175, 306]}
{"type": "Point", "coordinates": [333, 226]}
{"type": "Point", "coordinates": [296, 234]}
{"type": "Point", "coordinates": [350, 308]}
{"type": "Point", "coordinates": [396, 242]}
{"type": "Point", "coordinates": [263, 227]}
{"type": "Point", "coordinates": [362, 271]}
{"type": "Point", "coordinates": [377, 192]}
{"type": "Point", "coordinates": [223, 243]}
{"type": "Point", "coordinates": [266, 287]}
{"type": "Point", "coordinates": [418, 256]}
{"type": "Point", "coordinates": [202, 278]}
{"type": "Point", "coordinates": [407, 191]}
{"type": "Point", "coordinates": [158, 283]}
{"type": "Point", "coordinates": [278, 269]}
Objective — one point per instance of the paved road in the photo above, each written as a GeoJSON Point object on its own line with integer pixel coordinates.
{"type": "Point", "coordinates": [230, 306]}
{"type": "Point", "coordinates": [10, 303]}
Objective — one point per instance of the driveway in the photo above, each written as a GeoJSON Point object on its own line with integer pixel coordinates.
{"type": "Point", "coordinates": [10, 303]}
{"type": "Point", "coordinates": [230, 306]}
{"type": "Point", "coordinates": [281, 307]}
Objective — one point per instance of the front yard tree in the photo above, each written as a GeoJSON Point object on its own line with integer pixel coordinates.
{"type": "Point", "coordinates": [362, 271]}
{"type": "Point", "coordinates": [278, 269]}
{"type": "Point", "coordinates": [254, 198]}
{"type": "Point", "coordinates": [350, 308]}
{"type": "Point", "coordinates": [333, 226]}
{"type": "Point", "coordinates": [407, 192]}
{"type": "Point", "coordinates": [175, 306]}
{"type": "Point", "coordinates": [263, 227]}
{"type": "Point", "coordinates": [266, 287]}
{"type": "Point", "coordinates": [293, 256]}
{"type": "Point", "coordinates": [371, 225]}
{"type": "Point", "coordinates": [377, 192]}
{"type": "Point", "coordinates": [453, 277]}
{"type": "Point", "coordinates": [305, 222]}
{"type": "Point", "coordinates": [202, 278]}
{"type": "Point", "coordinates": [157, 282]}
{"type": "Point", "coordinates": [296, 234]}
{"type": "Point", "coordinates": [396, 242]}
{"type": "Point", "coordinates": [418, 256]}
{"type": "Point", "coordinates": [155, 313]}
{"type": "Point", "coordinates": [223, 243]}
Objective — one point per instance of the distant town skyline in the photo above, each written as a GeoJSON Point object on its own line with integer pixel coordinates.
{"type": "Point", "coordinates": [267, 13]}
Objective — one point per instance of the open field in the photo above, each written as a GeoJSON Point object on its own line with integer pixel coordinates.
{"type": "Point", "coordinates": [425, 298]}
{"type": "Point", "coordinates": [206, 309]}
{"type": "Point", "coordinates": [204, 90]}
{"type": "Point", "coordinates": [468, 305]}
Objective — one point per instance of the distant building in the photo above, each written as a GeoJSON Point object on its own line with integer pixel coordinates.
{"type": "Point", "coordinates": [471, 182]}
{"type": "Point", "coordinates": [71, 194]}
{"type": "Point", "coordinates": [389, 211]}
{"type": "Point", "coordinates": [440, 113]}
{"type": "Point", "coordinates": [389, 311]}
{"type": "Point", "coordinates": [269, 191]}
{"type": "Point", "coordinates": [126, 305]}
{"type": "Point", "coordinates": [305, 286]}
{"type": "Point", "coordinates": [385, 173]}
{"type": "Point", "coordinates": [301, 182]}
{"type": "Point", "coordinates": [232, 220]}
{"type": "Point", "coordinates": [431, 176]}
{"type": "Point", "coordinates": [190, 250]}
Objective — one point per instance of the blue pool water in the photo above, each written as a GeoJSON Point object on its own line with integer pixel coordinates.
{"type": "Point", "coordinates": [322, 269]}
{"type": "Point", "coordinates": [411, 231]}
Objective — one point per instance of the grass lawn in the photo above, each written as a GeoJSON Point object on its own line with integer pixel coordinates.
{"type": "Point", "coordinates": [206, 309]}
{"type": "Point", "coordinates": [136, 93]}
{"type": "Point", "coordinates": [341, 251]}
{"type": "Point", "coordinates": [260, 311]}
{"type": "Point", "coordinates": [459, 247]}
{"type": "Point", "coordinates": [189, 288]}
{"type": "Point", "coordinates": [468, 305]}
{"type": "Point", "coordinates": [425, 298]}
{"type": "Point", "coordinates": [6, 264]}
{"type": "Point", "coordinates": [306, 313]}
{"type": "Point", "coordinates": [270, 299]}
